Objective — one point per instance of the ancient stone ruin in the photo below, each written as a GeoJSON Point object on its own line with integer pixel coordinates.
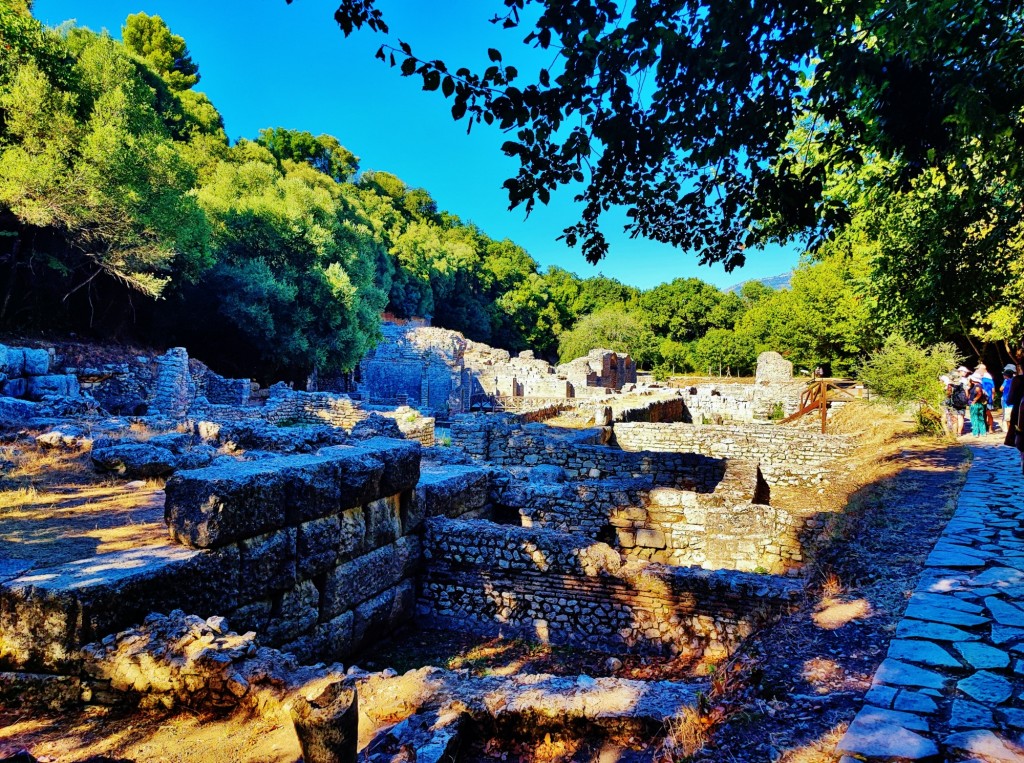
{"type": "Point", "coordinates": [316, 525]}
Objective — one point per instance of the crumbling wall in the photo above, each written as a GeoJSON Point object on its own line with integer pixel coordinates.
{"type": "Point", "coordinates": [414, 365]}
{"type": "Point", "coordinates": [566, 589]}
{"type": "Point", "coordinates": [26, 373]}
{"type": "Point", "coordinates": [730, 528]}
{"type": "Point", "coordinates": [285, 406]}
{"type": "Point", "coordinates": [786, 456]}
{"type": "Point", "coordinates": [506, 441]}
{"type": "Point", "coordinates": [315, 553]}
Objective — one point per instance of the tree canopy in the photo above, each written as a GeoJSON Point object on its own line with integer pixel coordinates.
{"type": "Point", "coordinates": [718, 125]}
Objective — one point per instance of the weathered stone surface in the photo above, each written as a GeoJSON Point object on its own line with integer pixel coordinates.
{"type": "Point", "coordinates": [369, 575]}
{"type": "Point", "coordinates": [16, 411]}
{"type": "Point", "coordinates": [970, 715]}
{"type": "Point", "coordinates": [449, 491]}
{"type": "Point", "coordinates": [986, 687]}
{"type": "Point", "coordinates": [896, 673]}
{"type": "Point", "coordinates": [877, 733]}
{"type": "Point", "coordinates": [401, 463]}
{"type": "Point", "coordinates": [295, 614]}
{"type": "Point", "coordinates": [947, 615]}
{"type": "Point", "coordinates": [48, 614]}
{"type": "Point", "coordinates": [982, 656]}
{"type": "Point", "coordinates": [63, 385]}
{"type": "Point", "coordinates": [1004, 613]}
{"type": "Point", "coordinates": [212, 507]}
{"type": "Point", "coordinates": [915, 702]}
{"type": "Point", "coordinates": [918, 629]}
{"type": "Point", "coordinates": [986, 744]}
{"type": "Point", "coordinates": [922, 653]}
{"type": "Point", "coordinates": [135, 460]}
{"type": "Point", "coordinates": [268, 563]}
{"type": "Point", "coordinates": [380, 614]}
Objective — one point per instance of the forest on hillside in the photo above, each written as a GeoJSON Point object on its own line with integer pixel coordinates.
{"type": "Point", "coordinates": [127, 213]}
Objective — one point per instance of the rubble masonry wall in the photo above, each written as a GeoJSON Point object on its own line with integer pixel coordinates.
{"type": "Point", "coordinates": [565, 589]}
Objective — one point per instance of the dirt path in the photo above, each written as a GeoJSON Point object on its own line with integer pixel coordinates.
{"type": "Point", "coordinates": [802, 681]}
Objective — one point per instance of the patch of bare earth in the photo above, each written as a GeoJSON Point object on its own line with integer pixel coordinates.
{"type": "Point", "coordinates": [54, 509]}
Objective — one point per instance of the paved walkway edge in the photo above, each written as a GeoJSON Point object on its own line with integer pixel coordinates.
{"type": "Point", "coordinates": [950, 688]}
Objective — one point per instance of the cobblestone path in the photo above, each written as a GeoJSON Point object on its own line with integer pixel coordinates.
{"type": "Point", "coordinates": [952, 685]}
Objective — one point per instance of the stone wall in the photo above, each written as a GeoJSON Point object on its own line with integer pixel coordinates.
{"type": "Point", "coordinates": [314, 553]}
{"type": "Point", "coordinates": [318, 554]}
{"type": "Point", "coordinates": [414, 365]}
{"type": "Point", "coordinates": [786, 456]}
{"type": "Point", "coordinates": [504, 440]}
{"type": "Point", "coordinates": [672, 409]}
{"type": "Point", "coordinates": [285, 406]}
{"type": "Point", "coordinates": [730, 528]}
{"type": "Point", "coordinates": [566, 589]}
{"type": "Point", "coordinates": [26, 373]}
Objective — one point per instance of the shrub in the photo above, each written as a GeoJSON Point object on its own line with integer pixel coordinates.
{"type": "Point", "coordinates": [903, 372]}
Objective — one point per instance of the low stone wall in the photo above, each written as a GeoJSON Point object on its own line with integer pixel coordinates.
{"type": "Point", "coordinates": [741, 402]}
{"type": "Point", "coordinates": [26, 373]}
{"type": "Point", "coordinates": [731, 528]}
{"type": "Point", "coordinates": [786, 456]}
{"type": "Point", "coordinates": [316, 554]}
{"type": "Point", "coordinates": [506, 441]}
{"type": "Point", "coordinates": [285, 406]}
{"type": "Point", "coordinates": [566, 589]}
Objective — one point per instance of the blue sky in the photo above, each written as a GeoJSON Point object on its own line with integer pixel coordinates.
{"type": "Point", "coordinates": [265, 63]}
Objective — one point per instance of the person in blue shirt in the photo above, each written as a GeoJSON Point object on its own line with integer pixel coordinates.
{"type": "Point", "coordinates": [1009, 371]}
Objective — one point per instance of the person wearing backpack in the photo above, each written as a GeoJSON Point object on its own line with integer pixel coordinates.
{"type": "Point", "coordinates": [956, 398]}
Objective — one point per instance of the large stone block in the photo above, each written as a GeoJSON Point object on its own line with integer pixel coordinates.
{"type": "Point", "coordinates": [37, 363]}
{"type": "Point", "coordinates": [12, 361]}
{"type": "Point", "coordinates": [294, 614]}
{"type": "Point", "coordinates": [370, 574]}
{"type": "Point", "coordinates": [267, 563]}
{"type": "Point", "coordinates": [135, 460]}
{"type": "Point", "coordinates": [47, 615]}
{"type": "Point", "coordinates": [401, 463]}
{"type": "Point", "coordinates": [64, 385]}
{"type": "Point", "coordinates": [328, 642]}
{"type": "Point", "coordinates": [384, 612]}
{"type": "Point", "coordinates": [383, 521]}
{"type": "Point", "coordinates": [216, 506]}
{"type": "Point", "coordinates": [451, 491]}
{"type": "Point", "coordinates": [341, 478]}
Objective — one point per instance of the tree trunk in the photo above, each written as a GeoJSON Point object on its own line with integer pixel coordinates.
{"type": "Point", "coordinates": [328, 725]}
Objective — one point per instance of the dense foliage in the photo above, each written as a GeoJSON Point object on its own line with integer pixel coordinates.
{"type": "Point", "coordinates": [124, 208]}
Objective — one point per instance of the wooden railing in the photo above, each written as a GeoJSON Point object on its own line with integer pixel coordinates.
{"type": "Point", "coordinates": [817, 397]}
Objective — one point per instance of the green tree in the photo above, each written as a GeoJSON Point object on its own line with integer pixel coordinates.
{"type": "Point", "coordinates": [904, 372]}
{"type": "Point", "coordinates": [686, 308]}
{"type": "Point", "coordinates": [149, 38]}
{"type": "Point", "coordinates": [323, 152]}
{"type": "Point", "coordinates": [706, 158]}
{"type": "Point", "coordinates": [611, 328]}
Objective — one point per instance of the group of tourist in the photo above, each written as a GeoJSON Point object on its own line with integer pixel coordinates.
{"type": "Point", "coordinates": [972, 395]}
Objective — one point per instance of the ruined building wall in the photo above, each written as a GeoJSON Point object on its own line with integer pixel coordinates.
{"type": "Point", "coordinates": [415, 365]}
{"type": "Point", "coordinates": [786, 456]}
{"type": "Point", "coordinates": [566, 589]}
{"type": "Point", "coordinates": [730, 528]}
{"type": "Point", "coordinates": [505, 441]}
{"type": "Point", "coordinates": [315, 553]}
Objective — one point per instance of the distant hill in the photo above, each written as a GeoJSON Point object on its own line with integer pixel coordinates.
{"type": "Point", "coordinates": [772, 282]}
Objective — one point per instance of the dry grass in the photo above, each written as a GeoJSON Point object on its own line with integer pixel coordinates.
{"type": "Point", "coordinates": [56, 509]}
